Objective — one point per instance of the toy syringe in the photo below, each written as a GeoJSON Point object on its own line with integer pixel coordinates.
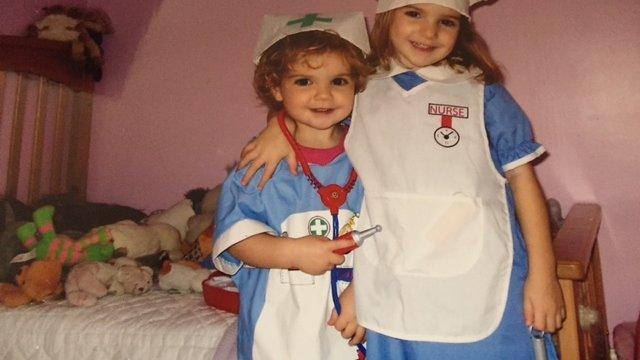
{"type": "Point", "coordinates": [358, 237]}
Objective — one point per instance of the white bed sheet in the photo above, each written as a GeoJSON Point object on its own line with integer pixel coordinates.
{"type": "Point", "coordinates": [156, 325]}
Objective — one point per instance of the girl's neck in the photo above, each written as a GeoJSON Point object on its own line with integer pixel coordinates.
{"type": "Point", "coordinates": [318, 139]}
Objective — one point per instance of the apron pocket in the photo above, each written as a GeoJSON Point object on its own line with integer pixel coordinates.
{"type": "Point", "coordinates": [435, 236]}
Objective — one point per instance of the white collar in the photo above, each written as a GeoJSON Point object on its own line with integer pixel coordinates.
{"type": "Point", "coordinates": [437, 73]}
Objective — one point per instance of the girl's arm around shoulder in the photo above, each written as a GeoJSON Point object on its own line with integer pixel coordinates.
{"type": "Point", "coordinates": [266, 151]}
{"type": "Point", "coordinates": [543, 303]}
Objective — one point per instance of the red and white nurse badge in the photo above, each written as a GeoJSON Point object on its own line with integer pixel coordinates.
{"type": "Point", "coordinates": [446, 135]}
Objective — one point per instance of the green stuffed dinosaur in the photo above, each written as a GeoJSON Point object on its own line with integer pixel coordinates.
{"type": "Point", "coordinates": [95, 246]}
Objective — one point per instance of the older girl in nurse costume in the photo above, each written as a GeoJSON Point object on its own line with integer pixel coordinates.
{"type": "Point", "coordinates": [444, 154]}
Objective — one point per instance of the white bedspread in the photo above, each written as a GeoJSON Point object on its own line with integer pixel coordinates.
{"type": "Point", "coordinates": [156, 325]}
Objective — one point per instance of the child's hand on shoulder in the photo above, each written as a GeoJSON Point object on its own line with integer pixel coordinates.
{"type": "Point", "coordinates": [315, 255]}
{"type": "Point", "coordinates": [543, 303]}
{"type": "Point", "coordinates": [347, 322]}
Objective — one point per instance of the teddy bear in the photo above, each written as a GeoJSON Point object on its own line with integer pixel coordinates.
{"type": "Point", "coordinates": [130, 278]}
{"type": "Point", "coordinates": [40, 237]}
{"type": "Point", "coordinates": [39, 281]}
{"type": "Point", "coordinates": [83, 28]}
{"type": "Point", "coordinates": [137, 240]}
{"type": "Point", "coordinates": [183, 276]}
{"type": "Point", "coordinates": [87, 282]}
{"type": "Point", "coordinates": [91, 280]}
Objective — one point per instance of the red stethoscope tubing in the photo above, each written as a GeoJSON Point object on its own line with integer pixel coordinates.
{"type": "Point", "coordinates": [332, 196]}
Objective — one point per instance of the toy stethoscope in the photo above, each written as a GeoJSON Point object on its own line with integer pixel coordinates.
{"type": "Point", "coordinates": [332, 196]}
{"type": "Point", "coordinates": [537, 338]}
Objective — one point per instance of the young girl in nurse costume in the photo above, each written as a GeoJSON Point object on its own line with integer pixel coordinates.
{"type": "Point", "coordinates": [464, 266]}
{"type": "Point", "coordinates": [276, 242]}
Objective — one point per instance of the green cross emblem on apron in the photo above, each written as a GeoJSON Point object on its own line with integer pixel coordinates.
{"type": "Point", "coordinates": [318, 226]}
{"type": "Point", "coordinates": [308, 20]}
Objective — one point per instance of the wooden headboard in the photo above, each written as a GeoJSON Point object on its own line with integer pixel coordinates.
{"type": "Point", "coordinates": [45, 119]}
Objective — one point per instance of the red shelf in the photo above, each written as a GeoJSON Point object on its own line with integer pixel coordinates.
{"type": "Point", "coordinates": [51, 59]}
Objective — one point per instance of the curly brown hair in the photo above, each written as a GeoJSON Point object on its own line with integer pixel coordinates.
{"type": "Point", "coordinates": [470, 48]}
{"type": "Point", "coordinates": [280, 58]}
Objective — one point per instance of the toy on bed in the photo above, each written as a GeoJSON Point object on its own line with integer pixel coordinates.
{"type": "Point", "coordinates": [177, 216]}
{"type": "Point", "coordinates": [198, 242]}
{"type": "Point", "coordinates": [38, 281]}
{"type": "Point", "coordinates": [138, 240]}
{"type": "Point", "coordinates": [183, 276]}
{"type": "Point", "coordinates": [219, 291]}
{"type": "Point", "coordinates": [83, 28]}
{"type": "Point", "coordinates": [89, 281]}
{"type": "Point", "coordinates": [40, 237]}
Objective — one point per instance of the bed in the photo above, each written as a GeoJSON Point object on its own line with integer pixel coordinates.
{"type": "Point", "coordinates": [45, 128]}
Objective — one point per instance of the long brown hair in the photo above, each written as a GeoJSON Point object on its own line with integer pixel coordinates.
{"type": "Point", "coordinates": [470, 48]}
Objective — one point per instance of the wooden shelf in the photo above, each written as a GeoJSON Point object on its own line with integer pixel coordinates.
{"type": "Point", "coordinates": [51, 59]}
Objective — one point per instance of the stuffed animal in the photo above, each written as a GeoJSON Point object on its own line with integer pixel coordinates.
{"type": "Point", "coordinates": [199, 239]}
{"type": "Point", "coordinates": [37, 282]}
{"type": "Point", "coordinates": [205, 204]}
{"type": "Point", "coordinates": [130, 278]}
{"type": "Point", "coordinates": [145, 239]}
{"type": "Point", "coordinates": [95, 246]}
{"type": "Point", "coordinates": [83, 28]}
{"type": "Point", "coordinates": [87, 282]}
{"type": "Point", "coordinates": [183, 276]}
{"type": "Point", "coordinates": [202, 248]}
{"type": "Point", "coordinates": [176, 216]}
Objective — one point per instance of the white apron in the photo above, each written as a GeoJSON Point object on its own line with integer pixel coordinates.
{"type": "Point", "coordinates": [293, 321]}
{"type": "Point", "coordinates": [439, 270]}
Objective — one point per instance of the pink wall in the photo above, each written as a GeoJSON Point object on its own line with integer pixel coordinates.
{"type": "Point", "coordinates": [176, 105]}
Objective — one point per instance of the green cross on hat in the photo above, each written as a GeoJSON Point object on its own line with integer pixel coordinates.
{"type": "Point", "coordinates": [349, 26]}
{"type": "Point", "coordinates": [308, 20]}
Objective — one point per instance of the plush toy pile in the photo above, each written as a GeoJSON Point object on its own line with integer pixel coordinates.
{"type": "Point", "coordinates": [83, 28]}
{"type": "Point", "coordinates": [85, 251]}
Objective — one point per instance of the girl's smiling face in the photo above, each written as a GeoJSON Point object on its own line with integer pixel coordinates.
{"type": "Point", "coordinates": [423, 34]}
{"type": "Point", "coordinates": [318, 92]}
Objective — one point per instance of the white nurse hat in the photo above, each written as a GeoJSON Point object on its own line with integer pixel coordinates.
{"type": "Point", "coordinates": [461, 6]}
{"type": "Point", "coordinates": [349, 26]}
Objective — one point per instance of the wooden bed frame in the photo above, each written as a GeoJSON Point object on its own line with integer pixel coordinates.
{"type": "Point", "coordinates": [63, 86]}
{"type": "Point", "coordinates": [584, 333]}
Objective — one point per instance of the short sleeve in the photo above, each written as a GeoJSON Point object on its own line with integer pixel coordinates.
{"type": "Point", "coordinates": [508, 129]}
{"type": "Point", "coordinates": [241, 214]}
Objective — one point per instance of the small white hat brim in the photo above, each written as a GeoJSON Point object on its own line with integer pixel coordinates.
{"type": "Point", "coordinates": [461, 6]}
{"type": "Point", "coordinates": [350, 26]}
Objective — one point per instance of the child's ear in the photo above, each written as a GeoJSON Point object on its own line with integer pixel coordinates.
{"type": "Point", "coordinates": [276, 93]}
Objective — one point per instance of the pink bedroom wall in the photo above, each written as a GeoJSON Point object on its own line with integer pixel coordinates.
{"type": "Point", "coordinates": [176, 105]}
